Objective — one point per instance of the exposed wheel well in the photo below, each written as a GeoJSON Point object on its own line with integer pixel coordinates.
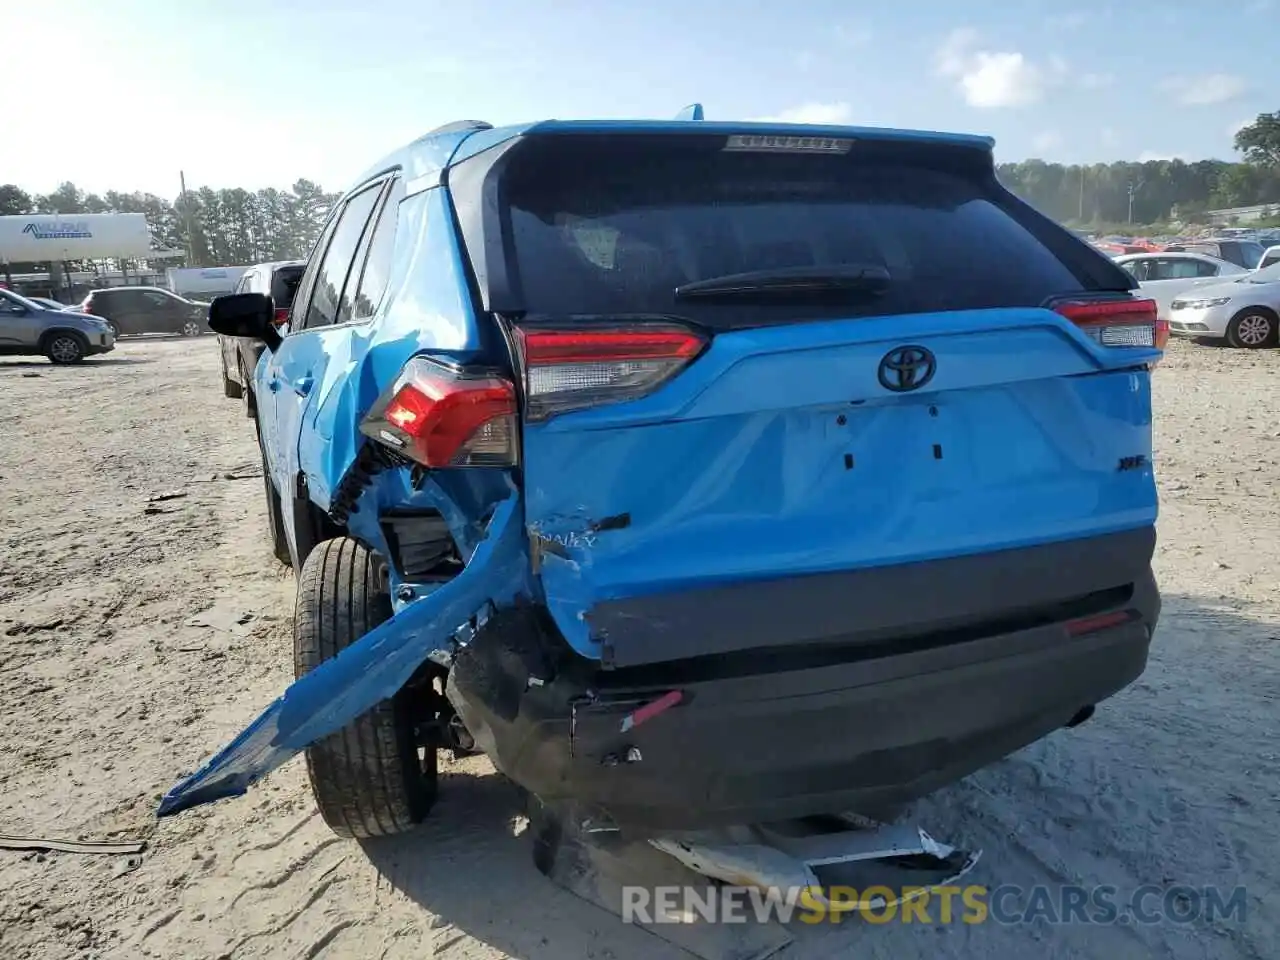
{"type": "Point", "coordinates": [311, 526]}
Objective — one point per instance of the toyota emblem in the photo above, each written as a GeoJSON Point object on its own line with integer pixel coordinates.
{"type": "Point", "coordinates": [907, 368]}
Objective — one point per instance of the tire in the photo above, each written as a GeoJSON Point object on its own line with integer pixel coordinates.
{"type": "Point", "coordinates": [230, 389]}
{"type": "Point", "coordinates": [191, 328]}
{"type": "Point", "coordinates": [367, 778]}
{"type": "Point", "coordinates": [250, 402]}
{"type": "Point", "coordinates": [275, 515]}
{"type": "Point", "coordinates": [64, 348]}
{"type": "Point", "coordinates": [1252, 328]}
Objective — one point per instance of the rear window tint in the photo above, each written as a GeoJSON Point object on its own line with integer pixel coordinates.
{"type": "Point", "coordinates": [613, 230]}
{"type": "Point", "coordinates": [284, 286]}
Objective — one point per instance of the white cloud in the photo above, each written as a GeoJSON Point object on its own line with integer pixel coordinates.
{"type": "Point", "coordinates": [1095, 81]}
{"type": "Point", "coordinates": [1047, 142]}
{"type": "Point", "coordinates": [834, 113]}
{"type": "Point", "coordinates": [1205, 90]}
{"type": "Point", "coordinates": [993, 78]}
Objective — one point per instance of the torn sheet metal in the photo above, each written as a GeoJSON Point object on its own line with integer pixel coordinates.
{"type": "Point", "coordinates": [369, 671]}
{"type": "Point", "coordinates": [795, 856]}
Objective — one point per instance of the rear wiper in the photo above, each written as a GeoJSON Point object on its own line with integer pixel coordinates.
{"type": "Point", "coordinates": [864, 278]}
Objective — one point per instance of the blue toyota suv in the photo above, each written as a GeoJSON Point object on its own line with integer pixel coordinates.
{"type": "Point", "coordinates": [698, 473]}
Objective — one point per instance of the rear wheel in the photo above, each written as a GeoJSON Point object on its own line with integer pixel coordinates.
{"type": "Point", "coordinates": [230, 388]}
{"type": "Point", "coordinates": [1252, 328]}
{"type": "Point", "coordinates": [64, 348]}
{"type": "Point", "coordinates": [191, 328]}
{"type": "Point", "coordinates": [368, 778]}
{"type": "Point", "coordinates": [115, 330]}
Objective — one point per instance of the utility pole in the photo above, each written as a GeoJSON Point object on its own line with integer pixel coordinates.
{"type": "Point", "coordinates": [186, 209]}
{"type": "Point", "coordinates": [1081, 215]}
{"type": "Point", "coordinates": [1133, 188]}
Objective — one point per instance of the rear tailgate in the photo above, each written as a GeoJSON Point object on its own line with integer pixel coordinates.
{"type": "Point", "coordinates": [790, 447]}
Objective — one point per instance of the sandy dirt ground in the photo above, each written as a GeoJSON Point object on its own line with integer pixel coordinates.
{"type": "Point", "coordinates": [143, 622]}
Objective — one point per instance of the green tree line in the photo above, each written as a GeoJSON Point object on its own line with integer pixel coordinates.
{"type": "Point", "coordinates": [217, 227]}
{"type": "Point", "coordinates": [235, 226]}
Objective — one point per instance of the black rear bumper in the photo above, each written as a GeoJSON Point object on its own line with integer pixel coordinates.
{"type": "Point", "coordinates": [862, 727]}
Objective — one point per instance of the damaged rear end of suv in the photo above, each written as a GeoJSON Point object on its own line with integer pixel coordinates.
{"type": "Point", "coordinates": [697, 474]}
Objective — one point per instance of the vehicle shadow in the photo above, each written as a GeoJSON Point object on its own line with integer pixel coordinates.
{"type": "Point", "coordinates": [471, 865]}
{"type": "Point", "coordinates": [1143, 790]}
{"type": "Point", "coordinates": [97, 361]}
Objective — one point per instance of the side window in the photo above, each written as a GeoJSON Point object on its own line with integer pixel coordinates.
{"type": "Point", "coordinates": [377, 266]}
{"type": "Point", "coordinates": [308, 282]}
{"type": "Point", "coordinates": [154, 299]}
{"type": "Point", "coordinates": [331, 276]}
{"type": "Point", "coordinates": [9, 306]}
{"type": "Point", "coordinates": [1141, 270]}
{"type": "Point", "coordinates": [1206, 269]}
{"type": "Point", "coordinates": [1180, 269]}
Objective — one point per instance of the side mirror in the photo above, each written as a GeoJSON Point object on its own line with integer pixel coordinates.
{"type": "Point", "coordinates": [245, 315]}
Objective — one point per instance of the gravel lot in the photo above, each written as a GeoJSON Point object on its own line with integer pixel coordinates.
{"type": "Point", "coordinates": [143, 622]}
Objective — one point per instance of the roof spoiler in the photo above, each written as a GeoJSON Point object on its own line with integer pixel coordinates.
{"type": "Point", "coordinates": [692, 112]}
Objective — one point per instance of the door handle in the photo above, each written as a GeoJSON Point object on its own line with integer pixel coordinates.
{"type": "Point", "coordinates": [302, 386]}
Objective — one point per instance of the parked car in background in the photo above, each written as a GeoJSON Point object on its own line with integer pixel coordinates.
{"type": "Point", "coordinates": [135, 310]}
{"type": "Point", "coordinates": [1245, 312]}
{"type": "Point", "coordinates": [1163, 276]}
{"type": "Point", "coordinates": [1242, 252]}
{"type": "Point", "coordinates": [30, 328]}
{"type": "Point", "coordinates": [1269, 256]}
{"type": "Point", "coordinates": [279, 281]}
{"type": "Point", "coordinates": [617, 440]}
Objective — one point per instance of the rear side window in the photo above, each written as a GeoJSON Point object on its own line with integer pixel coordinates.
{"type": "Point", "coordinates": [616, 228]}
{"type": "Point", "coordinates": [284, 286]}
{"type": "Point", "coordinates": [336, 265]}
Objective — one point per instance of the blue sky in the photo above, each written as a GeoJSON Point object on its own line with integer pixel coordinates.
{"type": "Point", "coordinates": [239, 93]}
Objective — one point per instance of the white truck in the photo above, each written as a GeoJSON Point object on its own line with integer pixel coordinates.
{"type": "Point", "coordinates": [203, 283]}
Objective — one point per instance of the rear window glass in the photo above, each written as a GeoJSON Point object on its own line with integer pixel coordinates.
{"type": "Point", "coordinates": [284, 286]}
{"type": "Point", "coordinates": [616, 230]}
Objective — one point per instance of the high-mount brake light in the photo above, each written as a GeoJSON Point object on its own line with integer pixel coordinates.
{"type": "Point", "coordinates": [442, 416]}
{"type": "Point", "coordinates": [574, 369]}
{"type": "Point", "coordinates": [1122, 322]}
{"type": "Point", "coordinates": [772, 143]}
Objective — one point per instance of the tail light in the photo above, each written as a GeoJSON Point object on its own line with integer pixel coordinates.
{"type": "Point", "coordinates": [443, 416]}
{"type": "Point", "coordinates": [87, 306]}
{"type": "Point", "coordinates": [281, 316]}
{"type": "Point", "coordinates": [1121, 322]}
{"type": "Point", "coordinates": [574, 369]}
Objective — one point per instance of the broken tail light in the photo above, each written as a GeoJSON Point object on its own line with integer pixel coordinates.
{"type": "Point", "coordinates": [573, 369]}
{"type": "Point", "coordinates": [443, 416]}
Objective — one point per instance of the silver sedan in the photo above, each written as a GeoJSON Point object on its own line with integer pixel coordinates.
{"type": "Point", "coordinates": [1245, 312]}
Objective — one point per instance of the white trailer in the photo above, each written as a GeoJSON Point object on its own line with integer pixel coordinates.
{"type": "Point", "coordinates": [203, 281]}
{"type": "Point", "coordinates": [40, 237]}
